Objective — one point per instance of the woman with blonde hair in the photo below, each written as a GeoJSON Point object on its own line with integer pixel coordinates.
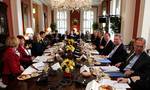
{"type": "Point", "coordinates": [37, 45]}
{"type": "Point", "coordinates": [11, 61]}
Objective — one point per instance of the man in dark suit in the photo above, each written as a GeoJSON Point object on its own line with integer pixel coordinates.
{"type": "Point", "coordinates": [137, 67]}
{"type": "Point", "coordinates": [118, 54]}
{"type": "Point", "coordinates": [138, 62]}
{"type": "Point", "coordinates": [107, 48]}
{"type": "Point", "coordinates": [56, 37]}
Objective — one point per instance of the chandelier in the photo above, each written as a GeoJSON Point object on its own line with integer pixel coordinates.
{"type": "Point", "coordinates": [70, 4]}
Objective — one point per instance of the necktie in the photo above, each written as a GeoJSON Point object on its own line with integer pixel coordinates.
{"type": "Point", "coordinates": [128, 64]}
{"type": "Point", "coordinates": [112, 52]}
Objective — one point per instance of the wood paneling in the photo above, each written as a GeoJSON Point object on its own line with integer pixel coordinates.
{"type": "Point", "coordinates": [136, 18]}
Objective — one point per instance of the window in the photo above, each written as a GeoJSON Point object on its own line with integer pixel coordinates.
{"type": "Point", "coordinates": [88, 19]}
{"type": "Point", "coordinates": [61, 20]}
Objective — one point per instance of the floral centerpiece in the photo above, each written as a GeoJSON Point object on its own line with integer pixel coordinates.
{"type": "Point", "coordinates": [69, 45]}
{"type": "Point", "coordinates": [67, 66]}
{"type": "Point", "coordinates": [70, 41]}
{"type": "Point", "coordinates": [70, 48]}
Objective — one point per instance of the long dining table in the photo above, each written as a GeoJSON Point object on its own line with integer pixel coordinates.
{"type": "Point", "coordinates": [54, 80]}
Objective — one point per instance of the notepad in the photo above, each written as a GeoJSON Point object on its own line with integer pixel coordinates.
{"type": "Point", "coordinates": [115, 74]}
{"type": "Point", "coordinates": [103, 60]}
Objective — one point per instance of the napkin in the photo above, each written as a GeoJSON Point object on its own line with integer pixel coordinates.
{"type": "Point", "coordinates": [84, 68]}
{"type": "Point", "coordinates": [56, 66]}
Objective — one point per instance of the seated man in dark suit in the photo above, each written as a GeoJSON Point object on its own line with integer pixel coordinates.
{"type": "Point", "coordinates": [137, 67]}
{"type": "Point", "coordinates": [107, 48]}
{"type": "Point", "coordinates": [93, 37]}
{"type": "Point", "coordinates": [56, 37]}
{"type": "Point", "coordinates": [138, 63]}
{"type": "Point", "coordinates": [118, 54]}
{"type": "Point", "coordinates": [65, 36]}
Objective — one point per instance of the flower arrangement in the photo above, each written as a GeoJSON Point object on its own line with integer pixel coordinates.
{"type": "Point", "coordinates": [67, 65]}
{"type": "Point", "coordinates": [70, 48]}
{"type": "Point", "coordinates": [70, 41]}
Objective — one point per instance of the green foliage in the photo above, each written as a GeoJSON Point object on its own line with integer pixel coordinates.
{"type": "Point", "coordinates": [95, 26]}
{"type": "Point", "coordinates": [53, 26]}
{"type": "Point", "coordinates": [115, 24]}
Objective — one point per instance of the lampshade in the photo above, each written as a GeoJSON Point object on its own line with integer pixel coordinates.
{"type": "Point", "coordinates": [29, 30]}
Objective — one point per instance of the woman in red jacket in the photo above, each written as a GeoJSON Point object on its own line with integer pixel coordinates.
{"type": "Point", "coordinates": [26, 58]}
{"type": "Point", "coordinates": [11, 61]}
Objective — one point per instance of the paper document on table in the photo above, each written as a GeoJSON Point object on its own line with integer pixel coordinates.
{"type": "Point", "coordinates": [41, 58]}
{"type": "Point", "coordinates": [29, 70]}
{"type": "Point", "coordinates": [109, 68]}
{"type": "Point", "coordinates": [39, 66]}
{"type": "Point", "coordinates": [56, 66]}
{"type": "Point", "coordinates": [121, 86]}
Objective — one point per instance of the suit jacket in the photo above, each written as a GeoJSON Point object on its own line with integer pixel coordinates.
{"type": "Point", "coordinates": [93, 38]}
{"type": "Point", "coordinates": [142, 84]}
{"type": "Point", "coordinates": [56, 38]}
{"type": "Point", "coordinates": [24, 56]}
{"type": "Point", "coordinates": [26, 59]}
{"type": "Point", "coordinates": [101, 42]}
{"type": "Point", "coordinates": [11, 65]}
{"type": "Point", "coordinates": [141, 66]}
{"type": "Point", "coordinates": [37, 48]}
{"type": "Point", "coordinates": [107, 49]}
{"type": "Point", "coordinates": [120, 55]}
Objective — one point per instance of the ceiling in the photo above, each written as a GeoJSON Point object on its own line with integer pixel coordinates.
{"type": "Point", "coordinates": [47, 2]}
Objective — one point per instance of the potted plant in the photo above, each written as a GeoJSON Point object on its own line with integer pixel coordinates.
{"type": "Point", "coordinates": [95, 26]}
{"type": "Point", "coordinates": [53, 26]}
{"type": "Point", "coordinates": [115, 24]}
